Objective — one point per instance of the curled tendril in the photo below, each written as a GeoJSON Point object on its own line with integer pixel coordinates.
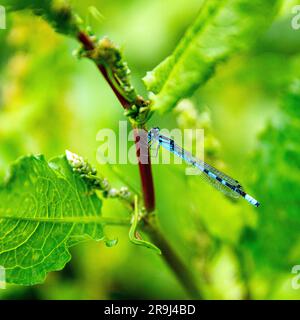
{"type": "Point", "coordinates": [134, 236]}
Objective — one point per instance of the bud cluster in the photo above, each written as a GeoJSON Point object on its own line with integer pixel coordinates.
{"type": "Point", "coordinates": [89, 175]}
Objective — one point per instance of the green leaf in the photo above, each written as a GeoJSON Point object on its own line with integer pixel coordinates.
{"type": "Point", "coordinates": [44, 209]}
{"type": "Point", "coordinates": [57, 12]}
{"type": "Point", "coordinates": [222, 28]}
{"type": "Point", "coordinates": [275, 243]}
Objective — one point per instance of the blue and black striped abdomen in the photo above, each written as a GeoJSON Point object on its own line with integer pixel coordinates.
{"type": "Point", "coordinates": [218, 179]}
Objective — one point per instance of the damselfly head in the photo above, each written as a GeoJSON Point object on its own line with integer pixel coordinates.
{"type": "Point", "coordinates": [153, 134]}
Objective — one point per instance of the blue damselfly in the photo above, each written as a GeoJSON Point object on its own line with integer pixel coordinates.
{"type": "Point", "coordinates": [221, 181]}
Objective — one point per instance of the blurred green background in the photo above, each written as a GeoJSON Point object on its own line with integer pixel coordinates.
{"type": "Point", "coordinates": [51, 101]}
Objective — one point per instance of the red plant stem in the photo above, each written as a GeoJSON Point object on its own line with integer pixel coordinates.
{"type": "Point", "coordinates": [89, 45]}
{"type": "Point", "coordinates": [180, 270]}
{"type": "Point", "coordinates": [145, 173]}
{"type": "Point", "coordinates": [144, 168]}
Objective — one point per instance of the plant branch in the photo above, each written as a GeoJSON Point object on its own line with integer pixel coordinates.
{"type": "Point", "coordinates": [182, 272]}
{"type": "Point", "coordinates": [151, 227]}
{"type": "Point", "coordinates": [144, 168]}
{"type": "Point", "coordinates": [89, 45]}
{"type": "Point", "coordinates": [111, 65]}
{"type": "Point", "coordinates": [145, 174]}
